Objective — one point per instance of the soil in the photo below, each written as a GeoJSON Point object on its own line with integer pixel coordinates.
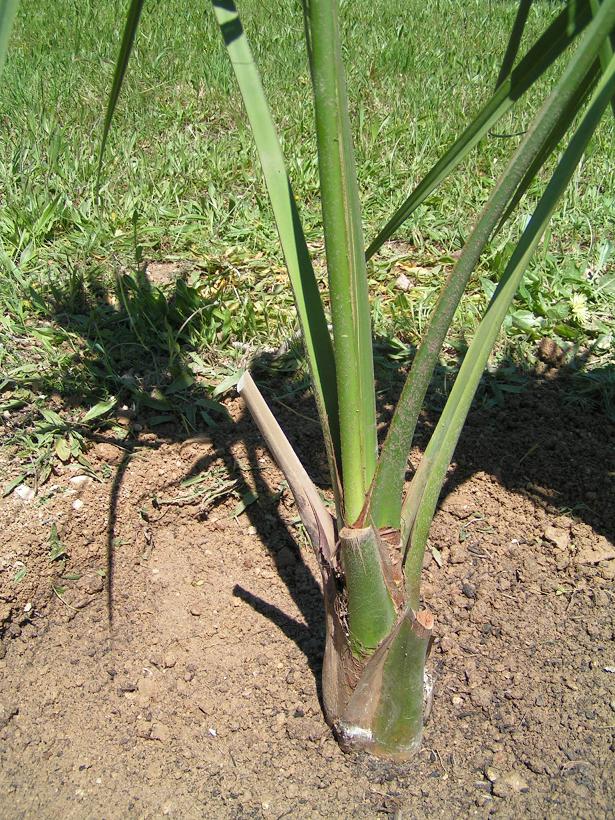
{"type": "Point", "coordinates": [201, 699]}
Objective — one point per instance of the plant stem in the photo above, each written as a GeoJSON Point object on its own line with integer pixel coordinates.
{"type": "Point", "coordinates": [345, 258]}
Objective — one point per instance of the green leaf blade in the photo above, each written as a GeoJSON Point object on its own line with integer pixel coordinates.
{"type": "Point", "coordinates": [418, 509]}
{"type": "Point", "coordinates": [384, 503]}
{"type": "Point", "coordinates": [316, 337]}
{"type": "Point", "coordinates": [8, 10]}
{"type": "Point", "coordinates": [128, 38]}
{"type": "Point", "coordinates": [538, 59]}
{"type": "Point", "coordinates": [345, 257]}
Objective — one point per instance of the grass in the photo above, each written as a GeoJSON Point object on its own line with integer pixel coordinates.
{"type": "Point", "coordinates": [82, 322]}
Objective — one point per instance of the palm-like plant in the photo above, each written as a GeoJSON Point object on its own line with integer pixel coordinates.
{"type": "Point", "coordinates": [371, 551]}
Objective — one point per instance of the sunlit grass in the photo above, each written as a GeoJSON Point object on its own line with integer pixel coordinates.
{"type": "Point", "coordinates": [181, 184]}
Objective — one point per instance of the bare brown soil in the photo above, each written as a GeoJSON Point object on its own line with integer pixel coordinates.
{"type": "Point", "coordinates": [203, 699]}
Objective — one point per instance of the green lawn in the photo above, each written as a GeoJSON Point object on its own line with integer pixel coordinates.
{"type": "Point", "coordinates": [81, 323]}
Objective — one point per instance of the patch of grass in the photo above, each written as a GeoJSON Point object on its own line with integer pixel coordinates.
{"type": "Point", "coordinates": [85, 320]}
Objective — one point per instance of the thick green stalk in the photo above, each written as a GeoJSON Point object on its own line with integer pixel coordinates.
{"type": "Point", "coordinates": [371, 612]}
{"type": "Point", "coordinates": [608, 47]}
{"type": "Point", "coordinates": [384, 503]}
{"type": "Point", "coordinates": [549, 46]}
{"type": "Point", "coordinates": [8, 10]}
{"type": "Point", "coordinates": [345, 257]}
{"type": "Point", "coordinates": [420, 506]}
{"type": "Point", "coordinates": [384, 714]}
{"type": "Point", "coordinates": [312, 319]}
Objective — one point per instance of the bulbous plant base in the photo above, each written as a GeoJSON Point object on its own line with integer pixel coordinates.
{"type": "Point", "coordinates": [358, 739]}
{"type": "Point", "coordinates": [380, 705]}
{"type": "Point", "coordinates": [374, 700]}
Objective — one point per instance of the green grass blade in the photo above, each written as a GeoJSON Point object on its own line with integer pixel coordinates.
{"type": "Point", "coordinates": [539, 58]}
{"type": "Point", "coordinates": [421, 504]}
{"type": "Point", "coordinates": [514, 41]}
{"type": "Point", "coordinates": [384, 502]}
{"type": "Point", "coordinates": [310, 310]}
{"type": "Point", "coordinates": [8, 9]}
{"type": "Point", "coordinates": [608, 47]}
{"type": "Point", "coordinates": [345, 257]}
{"type": "Point", "coordinates": [128, 38]}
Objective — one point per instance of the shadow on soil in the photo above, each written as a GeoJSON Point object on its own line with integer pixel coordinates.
{"type": "Point", "coordinates": [545, 435]}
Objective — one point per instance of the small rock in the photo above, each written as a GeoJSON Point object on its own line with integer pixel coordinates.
{"type": "Point", "coordinates": [469, 590]}
{"type": "Point", "coordinates": [510, 783]}
{"type": "Point", "coordinates": [126, 685]}
{"type": "Point", "coordinates": [446, 643]}
{"type": "Point", "coordinates": [148, 689]}
{"type": "Point", "coordinates": [596, 553]}
{"type": "Point", "coordinates": [80, 481]}
{"type": "Point", "coordinates": [196, 611]}
{"type": "Point", "coordinates": [94, 584]}
{"type": "Point", "coordinates": [7, 711]}
{"type": "Point", "coordinates": [77, 504]}
{"type": "Point", "coordinates": [561, 538]}
{"type": "Point", "coordinates": [108, 452]}
{"type": "Point", "coordinates": [607, 570]}
{"type": "Point", "coordinates": [456, 700]}
{"type": "Point", "coordinates": [402, 282]}
{"type": "Point", "coordinates": [24, 493]}
{"type": "Point", "coordinates": [457, 554]}
{"type": "Point", "coordinates": [458, 506]}
{"type": "Point", "coordinates": [169, 660]}
{"type": "Point", "coordinates": [491, 774]}
{"type": "Point", "coordinates": [481, 696]}
{"type": "Point", "coordinates": [160, 732]}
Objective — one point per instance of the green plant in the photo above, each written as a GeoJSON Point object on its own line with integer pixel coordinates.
{"type": "Point", "coordinates": [370, 553]}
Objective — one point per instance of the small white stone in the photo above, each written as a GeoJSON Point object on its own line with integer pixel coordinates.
{"type": "Point", "coordinates": [77, 504]}
{"type": "Point", "coordinates": [27, 607]}
{"type": "Point", "coordinates": [79, 481]}
{"type": "Point", "coordinates": [24, 492]}
{"type": "Point", "coordinates": [213, 732]}
{"type": "Point", "coordinates": [402, 282]}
